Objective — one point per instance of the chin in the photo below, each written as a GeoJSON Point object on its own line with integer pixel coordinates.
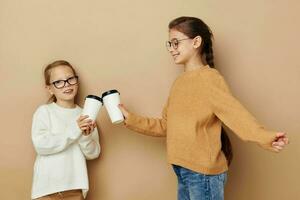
{"type": "Point", "coordinates": [178, 62]}
{"type": "Point", "coordinates": [70, 98]}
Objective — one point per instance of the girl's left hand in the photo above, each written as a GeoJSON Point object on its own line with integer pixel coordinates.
{"type": "Point", "coordinates": [90, 129]}
{"type": "Point", "coordinates": [280, 141]}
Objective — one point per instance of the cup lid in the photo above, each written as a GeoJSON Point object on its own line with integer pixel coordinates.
{"type": "Point", "coordinates": [94, 97]}
{"type": "Point", "coordinates": [109, 92]}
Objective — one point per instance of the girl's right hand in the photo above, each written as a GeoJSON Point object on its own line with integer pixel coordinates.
{"type": "Point", "coordinates": [280, 141]}
{"type": "Point", "coordinates": [84, 123]}
{"type": "Point", "coordinates": [124, 110]}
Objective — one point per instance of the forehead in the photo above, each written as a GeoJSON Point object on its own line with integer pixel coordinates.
{"type": "Point", "coordinates": [61, 72]}
{"type": "Point", "coordinates": [174, 34]}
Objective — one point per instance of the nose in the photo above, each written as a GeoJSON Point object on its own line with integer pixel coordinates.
{"type": "Point", "coordinates": [171, 50]}
{"type": "Point", "coordinates": [67, 84]}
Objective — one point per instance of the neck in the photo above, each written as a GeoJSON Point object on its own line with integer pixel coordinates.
{"type": "Point", "coordinates": [193, 64]}
{"type": "Point", "coordinates": [66, 104]}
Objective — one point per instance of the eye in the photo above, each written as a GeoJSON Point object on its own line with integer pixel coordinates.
{"type": "Point", "coordinates": [72, 80]}
{"type": "Point", "coordinates": [175, 42]}
{"type": "Point", "coordinates": [58, 82]}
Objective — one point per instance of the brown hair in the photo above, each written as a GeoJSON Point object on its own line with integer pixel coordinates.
{"type": "Point", "coordinates": [193, 27]}
{"type": "Point", "coordinates": [47, 74]}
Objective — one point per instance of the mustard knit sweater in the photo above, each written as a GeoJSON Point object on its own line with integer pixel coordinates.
{"type": "Point", "coordinates": [198, 103]}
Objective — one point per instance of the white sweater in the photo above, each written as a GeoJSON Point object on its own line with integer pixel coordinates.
{"type": "Point", "coordinates": [61, 150]}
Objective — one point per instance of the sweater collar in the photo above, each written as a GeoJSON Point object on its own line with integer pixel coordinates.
{"type": "Point", "coordinates": [205, 67]}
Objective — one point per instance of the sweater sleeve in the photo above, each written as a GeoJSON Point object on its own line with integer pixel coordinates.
{"type": "Point", "coordinates": [90, 145]}
{"type": "Point", "coordinates": [234, 115]}
{"type": "Point", "coordinates": [47, 142]}
{"type": "Point", "coordinates": [156, 127]}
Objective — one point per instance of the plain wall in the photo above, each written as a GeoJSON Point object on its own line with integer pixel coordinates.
{"type": "Point", "coordinates": [121, 44]}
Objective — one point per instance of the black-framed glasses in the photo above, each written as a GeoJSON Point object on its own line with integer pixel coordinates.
{"type": "Point", "coordinates": [61, 83]}
{"type": "Point", "coordinates": [174, 43]}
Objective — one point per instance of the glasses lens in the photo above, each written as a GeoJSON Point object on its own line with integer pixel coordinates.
{"type": "Point", "coordinates": [175, 44]}
{"type": "Point", "coordinates": [168, 45]}
{"type": "Point", "coordinates": [73, 80]}
{"type": "Point", "coordinates": [59, 84]}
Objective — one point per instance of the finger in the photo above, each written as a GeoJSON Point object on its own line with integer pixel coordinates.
{"type": "Point", "coordinates": [275, 149]}
{"type": "Point", "coordinates": [278, 148]}
{"type": "Point", "coordinates": [279, 143]}
{"type": "Point", "coordinates": [87, 120]}
{"type": "Point", "coordinates": [88, 131]}
{"type": "Point", "coordinates": [84, 128]}
{"type": "Point", "coordinates": [91, 130]}
{"type": "Point", "coordinates": [280, 134]}
{"type": "Point", "coordinates": [286, 140]}
{"type": "Point", "coordinates": [82, 117]}
{"type": "Point", "coordinates": [86, 123]}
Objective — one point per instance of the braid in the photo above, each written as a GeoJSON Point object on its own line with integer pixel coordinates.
{"type": "Point", "coordinates": [208, 52]}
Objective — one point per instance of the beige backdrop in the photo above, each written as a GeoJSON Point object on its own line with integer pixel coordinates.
{"type": "Point", "coordinates": [120, 44]}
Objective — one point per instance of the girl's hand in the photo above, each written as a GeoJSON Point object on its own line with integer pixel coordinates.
{"type": "Point", "coordinates": [85, 124]}
{"type": "Point", "coordinates": [124, 110]}
{"type": "Point", "coordinates": [280, 141]}
{"type": "Point", "coordinates": [90, 129]}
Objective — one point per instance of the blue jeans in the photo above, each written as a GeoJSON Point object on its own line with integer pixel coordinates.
{"type": "Point", "coordinates": [197, 186]}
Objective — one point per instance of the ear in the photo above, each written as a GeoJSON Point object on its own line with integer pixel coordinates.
{"type": "Point", "coordinates": [49, 89]}
{"type": "Point", "coordinates": [197, 42]}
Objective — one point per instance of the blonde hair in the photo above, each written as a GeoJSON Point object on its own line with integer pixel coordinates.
{"type": "Point", "coordinates": [47, 74]}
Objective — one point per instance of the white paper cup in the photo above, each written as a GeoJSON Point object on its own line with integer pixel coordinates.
{"type": "Point", "coordinates": [92, 106]}
{"type": "Point", "coordinates": [111, 100]}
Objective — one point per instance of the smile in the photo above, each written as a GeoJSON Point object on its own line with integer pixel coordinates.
{"type": "Point", "coordinates": [68, 91]}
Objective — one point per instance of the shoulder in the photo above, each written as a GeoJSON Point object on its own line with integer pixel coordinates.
{"type": "Point", "coordinates": [42, 108]}
{"type": "Point", "coordinates": [211, 74]}
{"type": "Point", "coordinates": [42, 111]}
{"type": "Point", "coordinates": [214, 79]}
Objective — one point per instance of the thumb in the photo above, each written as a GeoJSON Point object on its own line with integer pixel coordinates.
{"type": "Point", "coordinates": [280, 134]}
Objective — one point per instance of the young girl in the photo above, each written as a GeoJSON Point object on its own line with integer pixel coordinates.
{"type": "Point", "coordinates": [63, 139]}
{"type": "Point", "coordinates": [198, 103]}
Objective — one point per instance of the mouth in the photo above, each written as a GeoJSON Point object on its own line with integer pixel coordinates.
{"type": "Point", "coordinates": [175, 55]}
{"type": "Point", "coordinates": [68, 91]}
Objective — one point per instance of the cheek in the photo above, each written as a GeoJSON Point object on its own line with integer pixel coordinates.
{"type": "Point", "coordinates": [76, 87]}
{"type": "Point", "coordinates": [186, 51]}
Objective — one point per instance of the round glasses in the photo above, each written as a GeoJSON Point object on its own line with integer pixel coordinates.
{"type": "Point", "coordinates": [174, 43]}
{"type": "Point", "coordinates": [61, 83]}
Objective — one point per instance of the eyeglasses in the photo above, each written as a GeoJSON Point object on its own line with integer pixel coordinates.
{"type": "Point", "coordinates": [61, 83]}
{"type": "Point", "coordinates": [174, 43]}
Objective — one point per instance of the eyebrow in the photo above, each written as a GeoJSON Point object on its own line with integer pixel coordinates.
{"type": "Point", "coordinates": [60, 79]}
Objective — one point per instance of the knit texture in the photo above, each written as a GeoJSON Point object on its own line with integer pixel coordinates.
{"type": "Point", "coordinates": [61, 150]}
{"type": "Point", "coordinates": [198, 103]}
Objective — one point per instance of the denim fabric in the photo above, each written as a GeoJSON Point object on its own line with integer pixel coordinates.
{"type": "Point", "coordinates": [196, 186]}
